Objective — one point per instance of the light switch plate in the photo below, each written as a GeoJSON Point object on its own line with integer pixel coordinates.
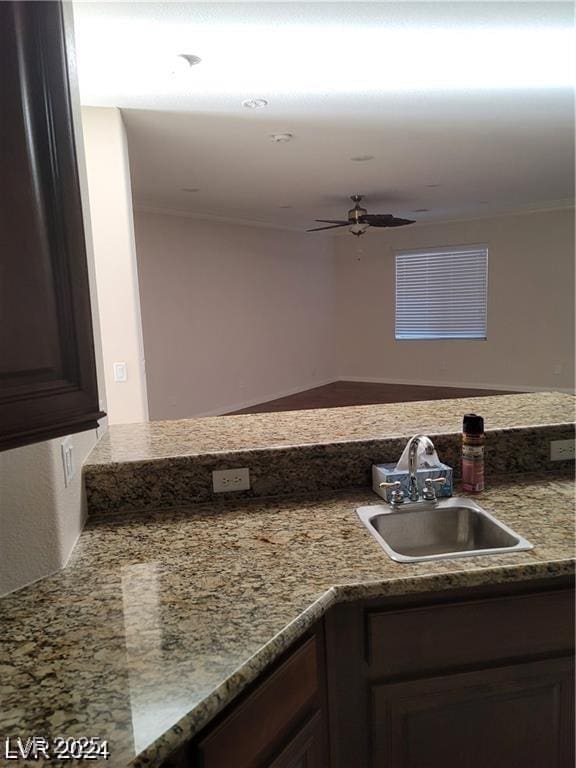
{"type": "Point", "coordinates": [227, 480]}
{"type": "Point", "coordinates": [562, 450]}
{"type": "Point", "coordinates": [120, 373]}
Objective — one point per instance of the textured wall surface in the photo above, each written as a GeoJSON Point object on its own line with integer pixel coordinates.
{"type": "Point", "coordinates": [232, 315]}
{"type": "Point", "coordinates": [530, 342]}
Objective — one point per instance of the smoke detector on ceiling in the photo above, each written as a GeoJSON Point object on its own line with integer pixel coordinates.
{"type": "Point", "coordinates": [281, 138]}
{"type": "Point", "coordinates": [254, 103]}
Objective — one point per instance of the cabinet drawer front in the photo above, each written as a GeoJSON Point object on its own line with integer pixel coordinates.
{"type": "Point", "coordinates": [448, 635]}
{"type": "Point", "coordinates": [256, 725]}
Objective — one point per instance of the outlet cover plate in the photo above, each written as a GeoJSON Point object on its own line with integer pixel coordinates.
{"type": "Point", "coordinates": [228, 480]}
{"type": "Point", "coordinates": [562, 450]}
{"type": "Point", "coordinates": [67, 448]}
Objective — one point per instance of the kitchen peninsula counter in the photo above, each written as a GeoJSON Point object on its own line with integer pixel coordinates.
{"type": "Point", "coordinates": [162, 618]}
{"type": "Point", "coordinates": [147, 467]}
{"type": "Point", "coordinates": [155, 440]}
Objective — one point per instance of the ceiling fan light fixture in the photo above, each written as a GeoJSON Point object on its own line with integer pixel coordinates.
{"type": "Point", "coordinates": [358, 229]}
{"type": "Point", "coordinates": [359, 220]}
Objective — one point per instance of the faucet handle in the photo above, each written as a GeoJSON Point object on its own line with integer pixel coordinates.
{"type": "Point", "coordinates": [429, 492]}
{"type": "Point", "coordinates": [397, 495]}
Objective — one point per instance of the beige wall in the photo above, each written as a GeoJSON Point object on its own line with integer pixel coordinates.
{"type": "Point", "coordinates": [115, 258]}
{"type": "Point", "coordinates": [232, 314]}
{"type": "Point", "coordinates": [530, 306]}
{"type": "Point", "coordinates": [41, 518]}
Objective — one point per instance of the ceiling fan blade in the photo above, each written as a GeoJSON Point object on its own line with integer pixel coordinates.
{"type": "Point", "coordinates": [371, 218]}
{"type": "Point", "coordinates": [334, 226]}
{"type": "Point", "coordinates": [332, 221]}
{"type": "Point", "coordinates": [385, 220]}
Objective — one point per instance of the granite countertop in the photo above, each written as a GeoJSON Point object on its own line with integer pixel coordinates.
{"type": "Point", "coordinates": [188, 437]}
{"type": "Point", "coordinates": [160, 619]}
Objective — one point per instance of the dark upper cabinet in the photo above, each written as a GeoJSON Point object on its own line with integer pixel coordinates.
{"type": "Point", "coordinates": [47, 367]}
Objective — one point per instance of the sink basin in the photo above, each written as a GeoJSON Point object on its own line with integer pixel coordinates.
{"type": "Point", "coordinates": [446, 528]}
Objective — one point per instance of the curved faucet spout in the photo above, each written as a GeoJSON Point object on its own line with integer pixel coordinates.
{"type": "Point", "coordinates": [412, 454]}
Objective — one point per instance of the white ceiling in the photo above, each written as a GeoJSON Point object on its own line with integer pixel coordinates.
{"type": "Point", "coordinates": [466, 108]}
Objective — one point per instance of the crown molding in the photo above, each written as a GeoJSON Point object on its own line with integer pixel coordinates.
{"type": "Point", "coordinates": [210, 217]}
{"type": "Point", "coordinates": [543, 207]}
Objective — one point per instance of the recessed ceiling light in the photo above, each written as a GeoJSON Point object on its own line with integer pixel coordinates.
{"type": "Point", "coordinates": [362, 158]}
{"type": "Point", "coordinates": [190, 189]}
{"type": "Point", "coordinates": [281, 138]}
{"type": "Point", "coordinates": [254, 103]}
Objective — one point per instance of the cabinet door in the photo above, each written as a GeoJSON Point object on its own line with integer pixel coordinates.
{"type": "Point", "coordinates": [305, 750]}
{"type": "Point", "coordinates": [258, 726]}
{"type": "Point", "coordinates": [511, 717]}
{"type": "Point", "coordinates": [47, 367]}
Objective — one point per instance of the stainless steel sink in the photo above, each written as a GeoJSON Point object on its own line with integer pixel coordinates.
{"type": "Point", "coordinates": [446, 528]}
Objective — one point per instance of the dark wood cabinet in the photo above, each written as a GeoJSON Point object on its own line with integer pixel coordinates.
{"type": "Point", "coordinates": [280, 723]}
{"type": "Point", "coordinates": [306, 748]}
{"type": "Point", "coordinates": [482, 678]}
{"type": "Point", "coordinates": [47, 367]}
{"type": "Point", "coordinates": [518, 716]}
{"type": "Point", "coordinates": [472, 678]}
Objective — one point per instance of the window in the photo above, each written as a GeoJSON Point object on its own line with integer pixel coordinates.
{"type": "Point", "coordinates": [441, 293]}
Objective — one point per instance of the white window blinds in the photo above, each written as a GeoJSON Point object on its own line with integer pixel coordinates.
{"type": "Point", "coordinates": [441, 293]}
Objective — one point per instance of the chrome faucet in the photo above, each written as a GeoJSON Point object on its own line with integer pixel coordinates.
{"type": "Point", "coordinates": [412, 454]}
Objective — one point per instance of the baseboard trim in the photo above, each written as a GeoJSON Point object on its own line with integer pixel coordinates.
{"type": "Point", "coordinates": [458, 384]}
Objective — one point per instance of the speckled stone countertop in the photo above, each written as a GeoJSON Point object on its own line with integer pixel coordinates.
{"type": "Point", "coordinates": [160, 620]}
{"type": "Point", "coordinates": [188, 437]}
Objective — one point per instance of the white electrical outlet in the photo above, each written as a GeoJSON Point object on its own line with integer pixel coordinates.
{"type": "Point", "coordinates": [226, 480]}
{"type": "Point", "coordinates": [68, 460]}
{"type": "Point", "coordinates": [562, 450]}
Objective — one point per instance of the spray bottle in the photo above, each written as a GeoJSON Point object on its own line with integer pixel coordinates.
{"type": "Point", "coordinates": [473, 440]}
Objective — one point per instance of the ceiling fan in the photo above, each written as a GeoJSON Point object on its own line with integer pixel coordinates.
{"type": "Point", "coordinates": [359, 220]}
